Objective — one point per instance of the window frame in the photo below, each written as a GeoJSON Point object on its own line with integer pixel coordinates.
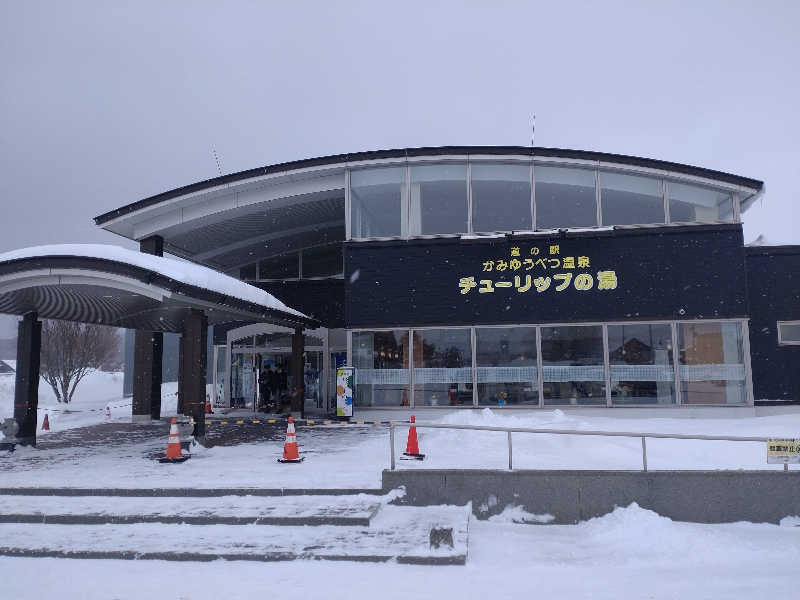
{"type": "Point", "coordinates": [783, 342]}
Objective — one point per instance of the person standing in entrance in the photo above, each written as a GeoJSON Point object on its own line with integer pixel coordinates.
{"type": "Point", "coordinates": [263, 386]}
{"type": "Point", "coordinates": [280, 376]}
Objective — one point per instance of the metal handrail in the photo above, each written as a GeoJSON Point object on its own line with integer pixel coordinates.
{"type": "Point", "coordinates": [510, 430]}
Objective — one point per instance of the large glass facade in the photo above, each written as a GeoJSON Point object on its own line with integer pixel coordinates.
{"type": "Point", "coordinates": [377, 201]}
{"type": "Point", "coordinates": [572, 365]}
{"type": "Point", "coordinates": [712, 369]}
{"type": "Point", "coordinates": [381, 360]}
{"type": "Point", "coordinates": [507, 365]}
{"type": "Point", "coordinates": [575, 361]}
{"type": "Point", "coordinates": [497, 197]}
{"type": "Point", "coordinates": [641, 363]}
{"type": "Point", "coordinates": [438, 199]}
{"type": "Point", "coordinates": [630, 199]}
{"type": "Point", "coordinates": [691, 203]}
{"type": "Point", "coordinates": [501, 197]}
{"type": "Point", "coordinates": [565, 197]}
{"type": "Point", "coordinates": [442, 367]}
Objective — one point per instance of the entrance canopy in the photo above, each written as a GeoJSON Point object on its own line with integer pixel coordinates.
{"type": "Point", "coordinates": [109, 285]}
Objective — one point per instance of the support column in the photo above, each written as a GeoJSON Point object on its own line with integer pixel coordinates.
{"type": "Point", "coordinates": [148, 352]}
{"type": "Point", "coordinates": [298, 373]}
{"type": "Point", "coordinates": [193, 372]}
{"type": "Point", "coordinates": [26, 389]}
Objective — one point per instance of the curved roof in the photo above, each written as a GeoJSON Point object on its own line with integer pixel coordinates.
{"type": "Point", "coordinates": [109, 285]}
{"type": "Point", "coordinates": [343, 159]}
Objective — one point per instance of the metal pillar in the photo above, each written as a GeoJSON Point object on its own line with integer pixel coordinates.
{"type": "Point", "coordinates": [147, 356]}
{"type": "Point", "coordinates": [148, 351]}
{"type": "Point", "coordinates": [298, 373]}
{"type": "Point", "coordinates": [193, 362]}
{"type": "Point", "coordinates": [26, 390]}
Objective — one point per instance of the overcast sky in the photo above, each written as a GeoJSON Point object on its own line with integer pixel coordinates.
{"type": "Point", "coordinates": [105, 103]}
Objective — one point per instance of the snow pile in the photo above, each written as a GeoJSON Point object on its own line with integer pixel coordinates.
{"type": "Point", "coordinates": [183, 271]}
{"type": "Point", "coordinates": [467, 449]}
{"type": "Point", "coordinates": [517, 514]}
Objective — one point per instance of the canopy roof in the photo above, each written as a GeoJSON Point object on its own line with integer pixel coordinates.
{"type": "Point", "coordinates": [109, 285]}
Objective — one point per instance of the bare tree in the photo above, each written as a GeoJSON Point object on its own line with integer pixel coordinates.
{"type": "Point", "coordinates": [71, 350]}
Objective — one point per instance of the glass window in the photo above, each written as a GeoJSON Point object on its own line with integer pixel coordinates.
{"type": "Point", "coordinates": [572, 365]}
{"type": "Point", "coordinates": [630, 199]}
{"type": "Point", "coordinates": [376, 202]}
{"type": "Point", "coordinates": [640, 357]}
{"type": "Point", "coordinates": [711, 363]}
{"type": "Point", "coordinates": [248, 272]}
{"type": "Point", "coordinates": [442, 367]}
{"type": "Point", "coordinates": [506, 362]}
{"type": "Point", "coordinates": [324, 261]}
{"type": "Point", "coordinates": [381, 360]}
{"type": "Point", "coordinates": [565, 197]}
{"type": "Point", "coordinates": [689, 203]}
{"type": "Point", "coordinates": [438, 199]}
{"type": "Point", "coordinates": [284, 266]}
{"type": "Point", "coordinates": [789, 332]}
{"type": "Point", "coordinates": [501, 197]}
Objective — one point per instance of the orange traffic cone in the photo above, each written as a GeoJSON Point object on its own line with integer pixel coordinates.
{"type": "Point", "coordinates": [412, 446]}
{"type": "Point", "coordinates": [46, 423]}
{"type": "Point", "coordinates": [290, 454]}
{"type": "Point", "coordinates": [174, 454]}
{"type": "Point", "coordinates": [208, 407]}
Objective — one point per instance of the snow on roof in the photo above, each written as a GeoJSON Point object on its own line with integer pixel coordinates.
{"type": "Point", "coordinates": [182, 271]}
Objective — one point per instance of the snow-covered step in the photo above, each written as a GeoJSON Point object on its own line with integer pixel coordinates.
{"type": "Point", "coordinates": [401, 533]}
{"type": "Point", "coordinates": [354, 510]}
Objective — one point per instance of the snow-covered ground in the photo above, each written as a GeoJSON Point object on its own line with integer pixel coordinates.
{"type": "Point", "coordinates": [354, 456]}
{"type": "Point", "coordinates": [95, 392]}
{"type": "Point", "coordinates": [630, 553]}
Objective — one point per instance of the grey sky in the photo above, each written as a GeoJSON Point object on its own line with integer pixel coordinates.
{"type": "Point", "coordinates": [104, 103]}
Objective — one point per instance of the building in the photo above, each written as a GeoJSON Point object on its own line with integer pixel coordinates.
{"type": "Point", "coordinates": [494, 276]}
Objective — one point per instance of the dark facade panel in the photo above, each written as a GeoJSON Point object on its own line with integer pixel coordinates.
{"type": "Point", "coordinates": [320, 299]}
{"type": "Point", "coordinates": [661, 273]}
{"type": "Point", "coordinates": [773, 286]}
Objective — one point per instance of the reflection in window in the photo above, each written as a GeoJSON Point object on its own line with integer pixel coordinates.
{"type": "Point", "coordinates": [789, 333]}
{"type": "Point", "coordinates": [438, 199]}
{"type": "Point", "coordinates": [501, 197]}
{"type": "Point", "coordinates": [323, 261]}
{"type": "Point", "coordinates": [442, 367]}
{"type": "Point", "coordinates": [376, 201]}
{"type": "Point", "coordinates": [284, 266]}
{"type": "Point", "coordinates": [711, 363]}
{"type": "Point", "coordinates": [506, 362]}
{"type": "Point", "coordinates": [565, 197]}
{"type": "Point", "coordinates": [693, 203]}
{"type": "Point", "coordinates": [572, 365]}
{"type": "Point", "coordinates": [630, 199]}
{"type": "Point", "coordinates": [640, 356]}
{"type": "Point", "coordinates": [381, 360]}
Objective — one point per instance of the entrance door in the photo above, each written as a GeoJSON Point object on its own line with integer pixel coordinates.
{"type": "Point", "coordinates": [254, 346]}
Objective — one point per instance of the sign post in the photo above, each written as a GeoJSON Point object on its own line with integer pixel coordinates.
{"type": "Point", "coordinates": [345, 384]}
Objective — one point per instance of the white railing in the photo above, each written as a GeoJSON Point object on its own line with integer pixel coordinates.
{"type": "Point", "coordinates": [630, 434]}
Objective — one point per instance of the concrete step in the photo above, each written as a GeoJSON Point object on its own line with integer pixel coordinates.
{"type": "Point", "coordinates": [400, 533]}
{"type": "Point", "coordinates": [341, 510]}
{"type": "Point", "coordinates": [186, 492]}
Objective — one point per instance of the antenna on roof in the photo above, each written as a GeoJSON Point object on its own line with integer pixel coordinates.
{"type": "Point", "coordinates": [216, 158]}
{"type": "Point", "coordinates": [533, 128]}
